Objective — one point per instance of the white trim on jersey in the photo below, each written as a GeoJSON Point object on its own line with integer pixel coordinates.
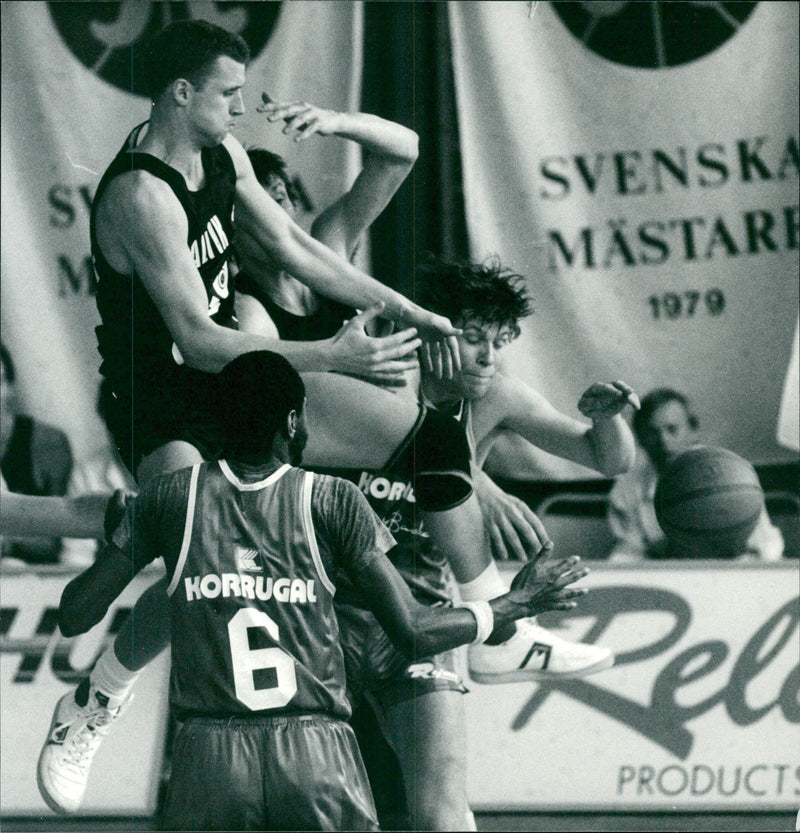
{"type": "Point", "coordinates": [251, 487]}
{"type": "Point", "coordinates": [187, 529]}
{"type": "Point", "coordinates": [311, 536]}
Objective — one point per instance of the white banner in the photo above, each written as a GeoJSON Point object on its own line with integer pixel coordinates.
{"type": "Point", "coordinates": [700, 711]}
{"type": "Point", "coordinates": [67, 107]}
{"type": "Point", "coordinates": [38, 665]}
{"type": "Point", "coordinates": [638, 162]}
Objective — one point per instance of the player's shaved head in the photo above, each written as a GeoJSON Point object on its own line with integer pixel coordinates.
{"type": "Point", "coordinates": [257, 392]}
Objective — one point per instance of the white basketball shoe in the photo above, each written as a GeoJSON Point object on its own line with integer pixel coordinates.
{"type": "Point", "coordinates": [533, 653]}
{"type": "Point", "coordinates": [75, 734]}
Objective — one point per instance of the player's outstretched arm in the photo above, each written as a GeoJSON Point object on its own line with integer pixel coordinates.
{"type": "Point", "coordinates": [514, 529]}
{"type": "Point", "coordinates": [607, 445]}
{"type": "Point", "coordinates": [60, 517]}
{"type": "Point", "coordinates": [390, 151]}
{"type": "Point", "coordinates": [165, 266]}
{"type": "Point", "coordinates": [86, 599]}
{"type": "Point", "coordinates": [330, 274]}
{"type": "Point", "coordinates": [419, 630]}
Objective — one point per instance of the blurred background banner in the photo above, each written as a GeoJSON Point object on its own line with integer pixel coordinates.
{"type": "Point", "coordinates": [639, 163]}
{"type": "Point", "coordinates": [69, 98]}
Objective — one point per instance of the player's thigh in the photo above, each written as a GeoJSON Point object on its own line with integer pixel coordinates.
{"type": "Point", "coordinates": [171, 456]}
{"type": "Point", "coordinates": [216, 778]}
{"type": "Point", "coordinates": [428, 734]}
{"type": "Point", "coordinates": [315, 777]}
{"type": "Point", "coordinates": [353, 423]}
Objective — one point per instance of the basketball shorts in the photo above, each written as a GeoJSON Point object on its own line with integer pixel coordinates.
{"type": "Point", "coordinates": [376, 670]}
{"type": "Point", "coordinates": [137, 431]}
{"type": "Point", "coordinates": [297, 772]}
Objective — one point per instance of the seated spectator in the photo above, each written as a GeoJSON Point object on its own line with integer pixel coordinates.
{"type": "Point", "coordinates": [35, 459]}
{"type": "Point", "coordinates": [102, 473]}
{"type": "Point", "coordinates": [664, 427]}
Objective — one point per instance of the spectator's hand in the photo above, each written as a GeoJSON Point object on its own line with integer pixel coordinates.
{"type": "Point", "coordinates": [543, 585]}
{"type": "Point", "coordinates": [302, 119]}
{"type": "Point", "coordinates": [379, 360]}
{"type": "Point", "coordinates": [514, 530]}
{"type": "Point", "coordinates": [604, 400]}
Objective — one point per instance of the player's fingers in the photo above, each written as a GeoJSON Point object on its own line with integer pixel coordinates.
{"type": "Point", "coordinates": [427, 360]}
{"type": "Point", "coordinates": [452, 349]}
{"type": "Point", "coordinates": [531, 530]}
{"type": "Point", "coordinates": [498, 546]}
{"type": "Point", "coordinates": [628, 392]}
{"type": "Point", "coordinates": [447, 361]}
{"type": "Point", "coordinates": [394, 366]}
{"type": "Point", "coordinates": [403, 338]}
{"type": "Point", "coordinates": [537, 527]}
{"type": "Point", "coordinates": [516, 548]}
{"type": "Point", "coordinates": [435, 349]}
{"type": "Point", "coordinates": [309, 130]}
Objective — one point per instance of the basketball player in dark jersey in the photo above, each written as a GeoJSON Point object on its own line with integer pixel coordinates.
{"type": "Point", "coordinates": [254, 550]}
{"type": "Point", "coordinates": [161, 227]}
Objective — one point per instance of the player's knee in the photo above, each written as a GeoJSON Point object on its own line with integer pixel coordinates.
{"type": "Point", "coordinates": [443, 477]}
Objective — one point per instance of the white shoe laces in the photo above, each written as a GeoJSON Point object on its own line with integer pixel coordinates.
{"type": "Point", "coordinates": [81, 746]}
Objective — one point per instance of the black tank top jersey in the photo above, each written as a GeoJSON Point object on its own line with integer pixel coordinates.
{"type": "Point", "coordinates": [324, 322]}
{"type": "Point", "coordinates": [251, 605]}
{"type": "Point", "coordinates": [138, 354]}
{"type": "Point", "coordinates": [390, 493]}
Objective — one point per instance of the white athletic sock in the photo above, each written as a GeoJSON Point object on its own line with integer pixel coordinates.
{"type": "Point", "coordinates": [110, 676]}
{"type": "Point", "coordinates": [488, 585]}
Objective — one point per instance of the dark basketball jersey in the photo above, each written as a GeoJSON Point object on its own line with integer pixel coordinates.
{"type": "Point", "coordinates": [324, 322]}
{"type": "Point", "coordinates": [251, 569]}
{"type": "Point", "coordinates": [139, 357]}
{"type": "Point", "coordinates": [390, 493]}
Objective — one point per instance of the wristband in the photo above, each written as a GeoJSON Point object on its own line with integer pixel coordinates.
{"type": "Point", "coordinates": [482, 611]}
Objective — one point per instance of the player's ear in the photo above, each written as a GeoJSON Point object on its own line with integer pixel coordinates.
{"type": "Point", "coordinates": [181, 91]}
{"type": "Point", "coordinates": [291, 424]}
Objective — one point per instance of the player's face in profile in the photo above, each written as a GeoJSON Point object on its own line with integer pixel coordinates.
{"type": "Point", "coordinates": [276, 188]}
{"type": "Point", "coordinates": [667, 433]}
{"type": "Point", "coordinates": [479, 345]}
{"type": "Point", "coordinates": [217, 102]}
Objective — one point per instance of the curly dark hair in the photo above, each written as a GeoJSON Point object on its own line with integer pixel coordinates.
{"type": "Point", "coordinates": [266, 165]}
{"type": "Point", "coordinates": [186, 49]}
{"type": "Point", "coordinates": [485, 291]}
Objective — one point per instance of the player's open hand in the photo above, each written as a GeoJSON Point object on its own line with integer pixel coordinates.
{"type": "Point", "coordinates": [380, 360]}
{"type": "Point", "coordinates": [604, 400]}
{"type": "Point", "coordinates": [543, 584]}
{"type": "Point", "coordinates": [514, 530]}
{"type": "Point", "coordinates": [302, 120]}
{"type": "Point", "coordinates": [439, 351]}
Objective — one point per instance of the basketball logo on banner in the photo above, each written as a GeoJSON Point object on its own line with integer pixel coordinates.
{"type": "Point", "coordinates": [100, 35]}
{"type": "Point", "coordinates": [652, 35]}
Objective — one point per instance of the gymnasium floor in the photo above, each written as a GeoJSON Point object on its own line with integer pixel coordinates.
{"type": "Point", "coordinates": [567, 822]}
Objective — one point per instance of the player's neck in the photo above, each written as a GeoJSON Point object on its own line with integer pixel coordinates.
{"type": "Point", "coordinates": [168, 141]}
{"type": "Point", "coordinates": [249, 472]}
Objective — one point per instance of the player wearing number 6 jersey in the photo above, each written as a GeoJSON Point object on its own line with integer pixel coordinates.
{"type": "Point", "coordinates": [253, 548]}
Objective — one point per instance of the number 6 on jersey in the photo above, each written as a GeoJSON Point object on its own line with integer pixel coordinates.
{"type": "Point", "coordinates": [273, 668]}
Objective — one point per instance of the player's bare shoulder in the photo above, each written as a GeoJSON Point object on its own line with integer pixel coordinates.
{"type": "Point", "coordinates": [136, 205]}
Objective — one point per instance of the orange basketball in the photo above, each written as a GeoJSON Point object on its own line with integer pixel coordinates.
{"type": "Point", "coordinates": [709, 499]}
